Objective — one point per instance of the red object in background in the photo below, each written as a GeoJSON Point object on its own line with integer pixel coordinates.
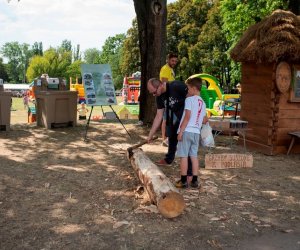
{"type": "Point", "coordinates": [31, 115]}
{"type": "Point", "coordinates": [31, 93]}
{"type": "Point", "coordinates": [131, 90]}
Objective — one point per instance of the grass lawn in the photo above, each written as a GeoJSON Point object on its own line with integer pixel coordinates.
{"type": "Point", "coordinates": [19, 113]}
{"type": "Point", "coordinates": [17, 103]}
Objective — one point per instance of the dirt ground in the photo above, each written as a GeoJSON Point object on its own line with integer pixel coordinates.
{"type": "Point", "coordinates": [59, 192]}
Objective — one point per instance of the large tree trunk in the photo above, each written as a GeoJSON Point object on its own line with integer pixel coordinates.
{"type": "Point", "coordinates": [151, 18]}
{"type": "Point", "coordinates": [169, 201]}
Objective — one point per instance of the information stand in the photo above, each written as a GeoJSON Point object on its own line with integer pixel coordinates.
{"type": "Point", "coordinates": [99, 89]}
{"type": "Point", "coordinates": [89, 119]}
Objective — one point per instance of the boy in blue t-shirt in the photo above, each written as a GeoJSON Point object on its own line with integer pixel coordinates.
{"type": "Point", "coordinates": [189, 132]}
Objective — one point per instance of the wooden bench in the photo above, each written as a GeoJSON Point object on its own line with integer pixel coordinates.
{"type": "Point", "coordinates": [294, 135]}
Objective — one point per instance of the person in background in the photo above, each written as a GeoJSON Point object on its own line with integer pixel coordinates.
{"type": "Point", "coordinates": [239, 89]}
{"type": "Point", "coordinates": [189, 132]}
{"type": "Point", "coordinates": [82, 111]}
{"type": "Point", "coordinates": [25, 100]}
{"type": "Point", "coordinates": [167, 74]}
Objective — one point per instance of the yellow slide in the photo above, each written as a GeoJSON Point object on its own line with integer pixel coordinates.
{"type": "Point", "coordinates": [214, 84]}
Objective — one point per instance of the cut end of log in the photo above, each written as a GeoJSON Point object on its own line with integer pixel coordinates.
{"type": "Point", "coordinates": [161, 191]}
{"type": "Point", "coordinates": [171, 205]}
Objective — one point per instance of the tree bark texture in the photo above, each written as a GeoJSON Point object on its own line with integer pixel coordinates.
{"type": "Point", "coordinates": [151, 19]}
{"type": "Point", "coordinates": [161, 191]}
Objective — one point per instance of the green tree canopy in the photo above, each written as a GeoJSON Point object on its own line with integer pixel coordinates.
{"type": "Point", "coordinates": [112, 46]}
{"type": "Point", "coordinates": [66, 46]}
{"type": "Point", "coordinates": [131, 59]}
{"type": "Point", "coordinates": [38, 66]}
{"type": "Point", "coordinates": [3, 71]}
{"type": "Point", "coordinates": [18, 56]}
{"type": "Point", "coordinates": [92, 56]}
{"type": "Point", "coordinates": [54, 62]}
{"type": "Point", "coordinates": [37, 49]}
{"type": "Point", "coordinates": [76, 53]}
{"type": "Point", "coordinates": [74, 70]}
{"type": "Point", "coordinates": [238, 16]}
{"type": "Point", "coordinates": [184, 25]}
{"type": "Point", "coordinates": [209, 54]}
{"type": "Point", "coordinates": [203, 32]}
{"type": "Point", "coordinates": [111, 54]}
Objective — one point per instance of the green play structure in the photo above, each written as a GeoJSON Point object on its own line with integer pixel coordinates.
{"type": "Point", "coordinates": [209, 96]}
{"type": "Point", "coordinates": [213, 92]}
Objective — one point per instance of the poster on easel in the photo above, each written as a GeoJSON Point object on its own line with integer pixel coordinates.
{"type": "Point", "coordinates": [99, 89]}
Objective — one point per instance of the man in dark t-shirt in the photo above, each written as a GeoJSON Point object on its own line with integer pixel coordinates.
{"type": "Point", "coordinates": [169, 97]}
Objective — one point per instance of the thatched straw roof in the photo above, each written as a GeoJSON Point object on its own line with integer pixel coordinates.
{"type": "Point", "coordinates": [275, 38]}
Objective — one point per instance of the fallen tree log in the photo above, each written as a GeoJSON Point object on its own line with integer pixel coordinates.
{"type": "Point", "coordinates": [162, 192]}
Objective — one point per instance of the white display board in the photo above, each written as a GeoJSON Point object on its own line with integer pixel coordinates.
{"type": "Point", "coordinates": [98, 85]}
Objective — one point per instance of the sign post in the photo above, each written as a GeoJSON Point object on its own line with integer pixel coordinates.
{"type": "Point", "coordinates": [224, 161]}
{"type": "Point", "coordinates": [99, 89]}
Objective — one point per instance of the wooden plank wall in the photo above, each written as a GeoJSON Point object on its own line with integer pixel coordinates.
{"type": "Point", "coordinates": [257, 103]}
{"type": "Point", "coordinates": [288, 121]}
{"type": "Point", "coordinates": [269, 113]}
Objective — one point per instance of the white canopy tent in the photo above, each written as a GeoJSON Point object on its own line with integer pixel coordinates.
{"type": "Point", "coordinates": [19, 87]}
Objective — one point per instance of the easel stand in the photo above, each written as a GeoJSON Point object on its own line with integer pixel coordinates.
{"type": "Point", "coordinates": [88, 122]}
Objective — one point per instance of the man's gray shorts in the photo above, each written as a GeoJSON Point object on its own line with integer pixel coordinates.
{"type": "Point", "coordinates": [189, 145]}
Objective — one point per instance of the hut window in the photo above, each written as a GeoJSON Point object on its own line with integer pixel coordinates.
{"type": "Point", "coordinates": [295, 89]}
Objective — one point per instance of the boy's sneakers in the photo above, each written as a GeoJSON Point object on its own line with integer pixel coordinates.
{"type": "Point", "coordinates": [194, 184]}
{"type": "Point", "coordinates": [162, 162]}
{"type": "Point", "coordinates": [180, 184]}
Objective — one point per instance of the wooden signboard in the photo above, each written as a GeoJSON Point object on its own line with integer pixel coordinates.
{"type": "Point", "coordinates": [224, 161]}
{"type": "Point", "coordinates": [283, 77]}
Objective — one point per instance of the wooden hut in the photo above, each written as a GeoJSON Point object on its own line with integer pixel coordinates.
{"type": "Point", "coordinates": [269, 52]}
